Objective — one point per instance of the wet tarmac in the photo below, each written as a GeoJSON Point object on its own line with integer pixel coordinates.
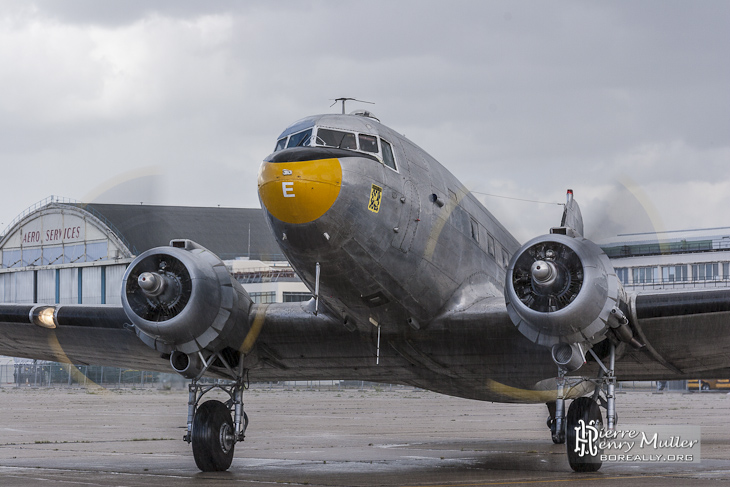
{"type": "Point", "coordinates": [348, 437]}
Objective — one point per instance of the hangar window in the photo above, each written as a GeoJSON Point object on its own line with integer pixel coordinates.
{"type": "Point", "coordinates": [32, 257]}
{"type": "Point", "coordinates": [336, 138]}
{"type": "Point", "coordinates": [11, 258]}
{"type": "Point", "coordinates": [52, 255]}
{"type": "Point", "coordinates": [623, 274]}
{"type": "Point", "coordinates": [96, 251]}
{"type": "Point", "coordinates": [368, 143]}
{"type": "Point", "coordinates": [388, 158]}
{"type": "Point", "coordinates": [73, 253]}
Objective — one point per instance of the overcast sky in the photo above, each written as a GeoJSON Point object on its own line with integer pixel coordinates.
{"type": "Point", "coordinates": [177, 102]}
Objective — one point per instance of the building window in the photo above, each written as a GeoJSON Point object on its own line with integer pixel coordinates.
{"type": "Point", "coordinates": [645, 275]}
{"type": "Point", "coordinates": [475, 230]}
{"type": "Point", "coordinates": [676, 273]}
{"type": "Point", "coordinates": [292, 297]}
{"type": "Point", "coordinates": [623, 275]}
{"type": "Point", "coordinates": [705, 272]}
{"type": "Point", "coordinates": [726, 270]}
{"type": "Point", "coordinates": [263, 298]}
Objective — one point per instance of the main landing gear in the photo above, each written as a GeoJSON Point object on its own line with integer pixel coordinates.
{"type": "Point", "coordinates": [580, 429]}
{"type": "Point", "coordinates": [214, 427]}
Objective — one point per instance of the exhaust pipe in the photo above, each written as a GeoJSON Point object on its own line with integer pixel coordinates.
{"type": "Point", "coordinates": [189, 366]}
{"type": "Point", "coordinates": [568, 356]}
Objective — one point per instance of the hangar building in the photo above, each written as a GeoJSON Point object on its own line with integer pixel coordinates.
{"type": "Point", "coordinates": [61, 251]}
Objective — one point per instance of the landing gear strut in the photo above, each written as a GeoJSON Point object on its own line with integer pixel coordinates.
{"type": "Point", "coordinates": [584, 422]}
{"type": "Point", "coordinates": [211, 429]}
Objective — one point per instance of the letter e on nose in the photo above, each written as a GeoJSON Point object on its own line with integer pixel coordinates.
{"type": "Point", "coordinates": [287, 187]}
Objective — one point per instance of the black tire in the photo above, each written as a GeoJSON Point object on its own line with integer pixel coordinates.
{"type": "Point", "coordinates": [705, 386]}
{"type": "Point", "coordinates": [212, 437]}
{"type": "Point", "coordinates": [586, 409]}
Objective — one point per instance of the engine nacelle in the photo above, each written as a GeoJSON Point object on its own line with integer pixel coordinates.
{"type": "Point", "coordinates": [561, 289]}
{"type": "Point", "coordinates": [182, 298]}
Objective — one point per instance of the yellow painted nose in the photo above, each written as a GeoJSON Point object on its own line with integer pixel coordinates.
{"type": "Point", "coordinates": [299, 192]}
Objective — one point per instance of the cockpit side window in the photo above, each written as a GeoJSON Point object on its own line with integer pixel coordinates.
{"type": "Point", "coordinates": [368, 143]}
{"type": "Point", "coordinates": [280, 144]}
{"type": "Point", "coordinates": [336, 138]}
{"type": "Point", "coordinates": [300, 138]}
{"type": "Point", "coordinates": [388, 158]}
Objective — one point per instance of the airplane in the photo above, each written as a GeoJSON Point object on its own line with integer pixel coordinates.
{"type": "Point", "coordinates": [414, 282]}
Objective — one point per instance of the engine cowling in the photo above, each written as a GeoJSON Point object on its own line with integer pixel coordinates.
{"type": "Point", "coordinates": [561, 289]}
{"type": "Point", "coordinates": [182, 298]}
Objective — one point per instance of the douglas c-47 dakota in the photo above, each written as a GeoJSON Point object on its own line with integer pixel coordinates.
{"type": "Point", "coordinates": [414, 282]}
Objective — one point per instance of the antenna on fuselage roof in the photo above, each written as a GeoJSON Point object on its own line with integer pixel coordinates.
{"type": "Point", "coordinates": [343, 100]}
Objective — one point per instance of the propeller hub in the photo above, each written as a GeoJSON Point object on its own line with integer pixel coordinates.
{"type": "Point", "coordinates": [543, 272]}
{"type": "Point", "coordinates": [151, 283]}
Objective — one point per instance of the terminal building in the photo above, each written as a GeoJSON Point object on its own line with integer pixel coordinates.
{"type": "Point", "coordinates": [671, 260]}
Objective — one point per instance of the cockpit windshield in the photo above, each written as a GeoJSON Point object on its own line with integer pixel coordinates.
{"type": "Point", "coordinates": [340, 139]}
{"type": "Point", "coordinates": [336, 138]}
{"type": "Point", "coordinates": [300, 139]}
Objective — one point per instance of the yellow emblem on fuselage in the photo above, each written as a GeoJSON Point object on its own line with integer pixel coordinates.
{"type": "Point", "coordinates": [376, 194]}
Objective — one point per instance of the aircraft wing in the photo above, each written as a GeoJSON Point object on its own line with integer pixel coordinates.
{"type": "Point", "coordinates": [687, 332]}
{"type": "Point", "coordinates": [81, 335]}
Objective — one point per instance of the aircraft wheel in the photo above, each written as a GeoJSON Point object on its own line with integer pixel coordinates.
{"type": "Point", "coordinates": [586, 409]}
{"type": "Point", "coordinates": [213, 437]}
{"type": "Point", "coordinates": [705, 386]}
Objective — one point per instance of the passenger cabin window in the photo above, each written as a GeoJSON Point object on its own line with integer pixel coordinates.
{"type": "Point", "coordinates": [368, 143]}
{"type": "Point", "coordinates": [388, 158]}
{"type": "Point", "coordinates": [490, 244]}
{"type": "Point", "coordinates": [336, 138]}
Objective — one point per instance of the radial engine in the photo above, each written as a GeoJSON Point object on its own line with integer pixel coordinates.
{"type": "Point", "coordinates": [562, 292]}
{"type": "Point", "coordinates": [182, 300]}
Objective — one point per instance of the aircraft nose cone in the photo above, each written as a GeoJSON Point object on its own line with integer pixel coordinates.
{"type": "Point", "coordinates": [301, 191]}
